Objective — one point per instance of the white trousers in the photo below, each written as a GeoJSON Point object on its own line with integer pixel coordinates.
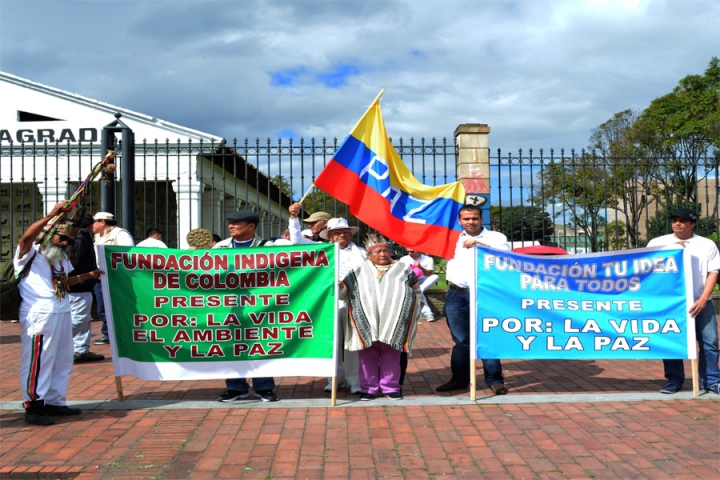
{"type": "Point", "coordinates": [427, 283]}
{"type": "Point", "coordinates": [46, 357]}
{"type": "Point", "coordinates": [80, 306]}
{"type": "Point", "coordinates": [348, 371]}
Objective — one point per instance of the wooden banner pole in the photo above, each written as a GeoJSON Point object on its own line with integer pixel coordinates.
{"type": "Point", "coordinates": [333, 395]}
{"type": "Point", "coordinates": [118, 387]}
{"type": "Point", "coordinates": [473, 386]}
{"type": "Point", "coordinates": [695, 377]}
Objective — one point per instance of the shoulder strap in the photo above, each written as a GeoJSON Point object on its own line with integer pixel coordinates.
{"type": "Point", "coordinates": [262, 243]}
{"type": "Point", "coordinates": [26, 269]}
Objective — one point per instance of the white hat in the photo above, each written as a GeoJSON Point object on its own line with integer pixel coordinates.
{"type": "Point", "coordinates": [104, 216]}
{"type": "Point", "coordinates": [337, 224]}
{"type": "Point", "coordinates": [307, 233]}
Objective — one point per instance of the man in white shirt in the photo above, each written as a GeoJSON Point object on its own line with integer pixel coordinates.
{"type": "Point", "coordinates": [45, 319]}
{"type": "Point", "coordinates": [107, 233]}
{"type": "Point", "coordinates": [153, 238]}
{"type": "Point", "coordinates": [705, 267]}
{"type": "Point", "coordinates": [317, 222]}
{"type": "Point", "coordinates": [457, 303]}
{"type": "Point", "coordinates": [337, 231]}
{"type": "Point", "coordinates": [424, 267]}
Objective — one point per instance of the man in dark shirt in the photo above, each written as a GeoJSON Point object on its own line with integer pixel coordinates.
{"type": "Point", "coordinates": [80, 295]}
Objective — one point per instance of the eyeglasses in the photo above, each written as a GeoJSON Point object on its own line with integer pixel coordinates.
{"type": "Point", "coordinates": [65, 238]}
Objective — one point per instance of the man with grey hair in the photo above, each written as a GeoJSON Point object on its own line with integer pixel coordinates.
{"type": "Point", "coordinates": [45, 318]}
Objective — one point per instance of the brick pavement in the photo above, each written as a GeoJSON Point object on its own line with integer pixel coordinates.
{"type": "Point", "coordinates": [667, 438]}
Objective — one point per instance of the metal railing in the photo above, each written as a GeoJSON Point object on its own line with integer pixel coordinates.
{"type": "Point", "coordinates": [581, 201]}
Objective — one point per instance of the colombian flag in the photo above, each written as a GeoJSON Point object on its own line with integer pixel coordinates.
{"type": "Point", "coordinates": [368, 175]}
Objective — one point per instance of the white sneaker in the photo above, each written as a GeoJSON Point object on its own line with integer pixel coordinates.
{"type": "Point", "coordinates": [328, 387]}
{"type": "Point", "coordinates": [429, 317]}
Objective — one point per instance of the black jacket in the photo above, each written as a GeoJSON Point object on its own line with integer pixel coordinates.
{"type": "Point", "coordinates": [84, 261]}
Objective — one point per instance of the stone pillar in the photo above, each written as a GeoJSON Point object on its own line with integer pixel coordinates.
{"type": "Point", "coordinates": [189, 201]}
{"type": "Point", "coordinates": [213, 218]}
{"type": "Point", "coordinates": [473, 164]}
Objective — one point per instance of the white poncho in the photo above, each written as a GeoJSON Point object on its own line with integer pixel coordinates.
{"type": "Point", "coordinates": [381, 307]}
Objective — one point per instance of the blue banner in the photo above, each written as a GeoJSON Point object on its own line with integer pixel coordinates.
{"type": "Point", "coordinates": [630, 304]}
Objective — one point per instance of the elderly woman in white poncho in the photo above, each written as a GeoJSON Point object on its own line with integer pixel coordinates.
{"type": "Point", "coordinates": [384, 301]}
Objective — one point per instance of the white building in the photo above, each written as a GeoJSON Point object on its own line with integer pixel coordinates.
{"type": "Point", "coordinates": [50, 139]}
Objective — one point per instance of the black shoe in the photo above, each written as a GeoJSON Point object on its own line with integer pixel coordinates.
{"type": "Point", "coordinates": [232, 395]}
{"type": "Point", "coordinates": [36, 414]}
{"type": "Point", "coordinates": [450, 386]}
{"type": "Point", "coordinates": [267, 396]}
{"type": "Point", "coordinates": [498, 388]}
{"type": "Point", "coordinates": [61, 410]}
{"type": "Point", "coordinates": [394, 396]}
{"type": "Point", "coordinates": [104, 340]}
{"type": "Point", "coordinates": [366, 397]}
{"type": "Point", "coordinates": [37, 418]}
{"type": "Point", "coordinates": [88, 357]}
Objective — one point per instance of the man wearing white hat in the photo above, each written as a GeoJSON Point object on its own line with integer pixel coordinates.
{"type": "Point", "coordinates": [338, 231]}
{"type": "Point", "coordinates": [107, 233]}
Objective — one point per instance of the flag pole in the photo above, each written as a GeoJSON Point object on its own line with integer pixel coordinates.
{"type": "Point", "coordinates": [306, 194]}
{"type": "Point", "coordinates": [378, 96]}
{"type": "Point", "coordinates": [695, 377]}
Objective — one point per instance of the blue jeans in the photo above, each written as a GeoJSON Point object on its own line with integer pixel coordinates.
{"type": "Point", "coordinates": [457, 311]}
{"type": "Point", "coordinates": [260, 384]}
{"type": "Point", "coordinates": [706, 332]}
{"type": "Point", "coordinates": [100, 304]}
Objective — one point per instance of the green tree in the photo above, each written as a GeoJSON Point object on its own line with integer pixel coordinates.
{"type": "Point", "coordinates": [630, 172]}
{"type": "Point", "coordinates": [616, 235]}
{"type": "Point", "coordinates": [283, 183]}
{"type": "Point", "coordinates": [682, 128]}
{"type": "Point", "coordinates": [522, 223]}
{"type": "Point", "coordinates": [580, 186]}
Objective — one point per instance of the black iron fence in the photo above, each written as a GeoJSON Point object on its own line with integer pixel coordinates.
{"type": "Point", "coordinates": [581, 201]}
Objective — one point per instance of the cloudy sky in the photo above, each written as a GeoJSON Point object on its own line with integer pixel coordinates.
{"type": "Point", "coordinates": [541, 73]}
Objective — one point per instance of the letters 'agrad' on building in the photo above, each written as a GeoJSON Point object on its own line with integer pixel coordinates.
{"type": "Point", "coordinates": [185, 179]}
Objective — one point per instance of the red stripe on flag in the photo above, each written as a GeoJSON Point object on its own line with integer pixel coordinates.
{"type": "Point", "coordinates": [374, 209]}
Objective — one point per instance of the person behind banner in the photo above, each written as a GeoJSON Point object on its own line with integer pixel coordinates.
{"type": "Point", "coordinates": [153, 238]}
{"type": "Point", "coordinates": [457, 303]}
{"type": "Point", "coordinates": [349, 256]}
{"type": "Point", "coordinates": [242, 226]}
{"type": "Point", "coordinates": [45, 319]}
{"type": "Point", "coordinates": [80, 295]}
{"type": "Point", "coordinates": [424, 267]}
{"type": "Point", "coordinates": [317, 222]}
{"type": "Point", "coordinates": [283, 239]}
{"type": "Point", "coordinates": [384, 301]}
{"type": "Point", "coordinates": [705, 267]}
{"type": "Point", "coordinates": [107, 232]}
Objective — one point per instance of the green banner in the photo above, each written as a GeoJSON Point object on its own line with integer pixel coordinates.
{"type": "Point", "coordinates": [221, 305]}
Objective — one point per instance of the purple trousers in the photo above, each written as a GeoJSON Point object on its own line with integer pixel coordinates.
{"type": "Point", "coordinates": [379, 369]}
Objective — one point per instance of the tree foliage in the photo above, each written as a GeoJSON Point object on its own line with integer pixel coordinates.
{"type": "Point", "coordinates": [683, 128]}
{"type": "Point", "coordinates": [580, 186]}
{"type": "Point", "coordinates": [522, 223]}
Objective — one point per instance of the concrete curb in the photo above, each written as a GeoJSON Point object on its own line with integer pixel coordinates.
{"type": "Point", "coordinates": [378, 402]}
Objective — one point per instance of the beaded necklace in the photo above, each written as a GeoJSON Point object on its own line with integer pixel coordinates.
{"type": "Point", "coordinates": [59, 280]}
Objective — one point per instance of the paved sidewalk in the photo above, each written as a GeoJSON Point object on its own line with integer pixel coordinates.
{"type": "Point", "coordinates": [570, 419]}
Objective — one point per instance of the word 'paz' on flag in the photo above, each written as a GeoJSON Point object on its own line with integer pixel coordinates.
{"type": "Point", "coordinates": [367, 174]}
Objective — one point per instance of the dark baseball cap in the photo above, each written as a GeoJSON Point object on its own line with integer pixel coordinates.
{"type": "Point", "coordinates": [685, 214]}
{"type": "Point", "coordinates": [245, 215]}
